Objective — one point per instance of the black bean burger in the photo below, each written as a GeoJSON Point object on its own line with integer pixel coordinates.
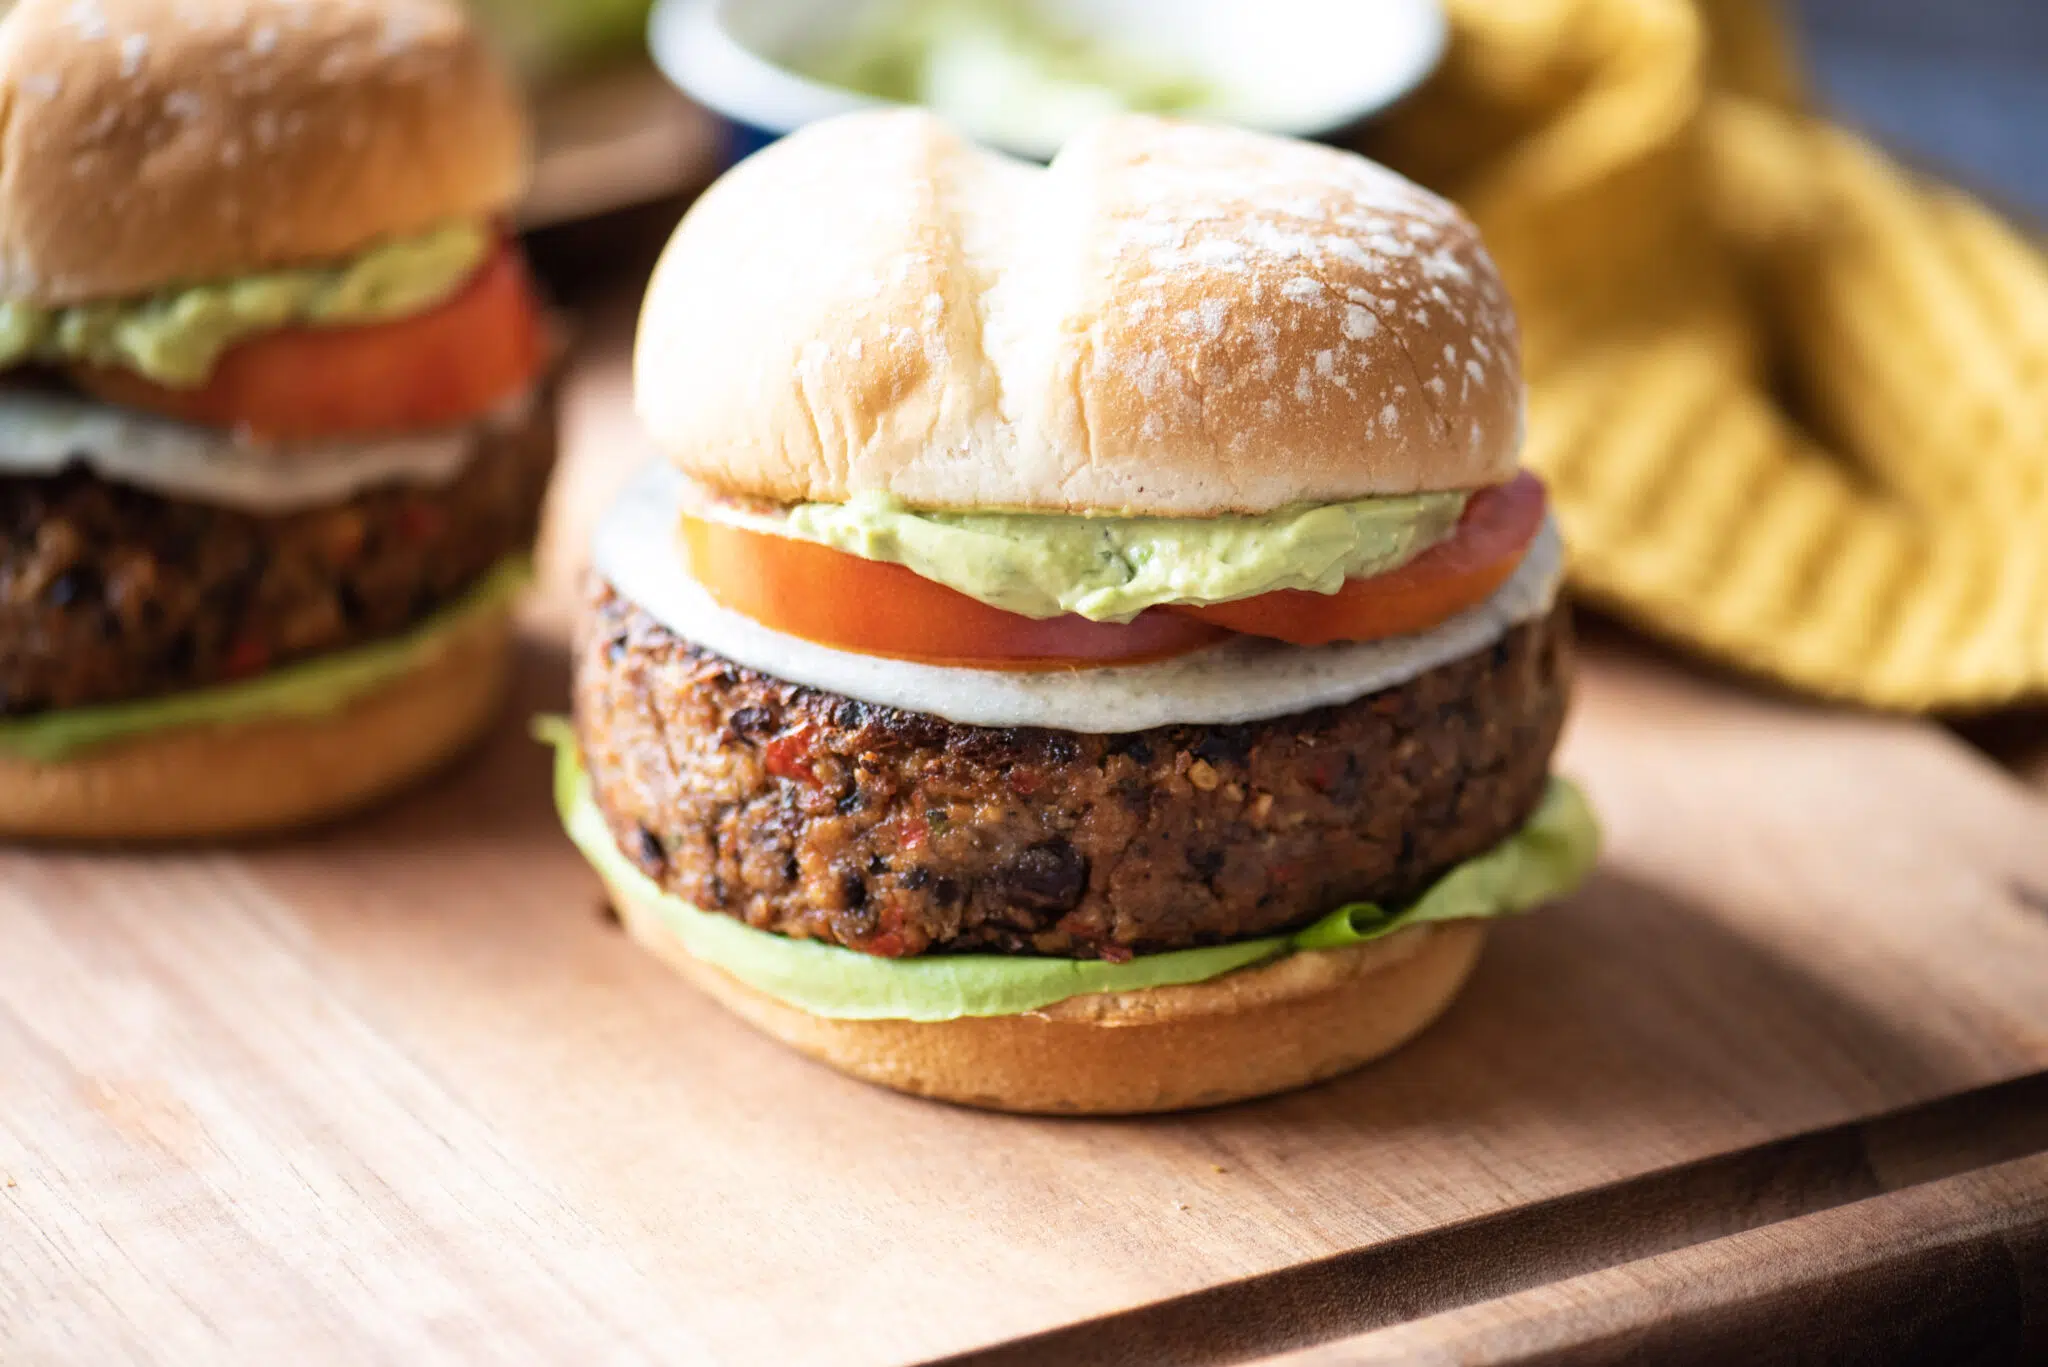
{"type": "Point", "coordinates": [1091, 647]}
{"type": "Point", "coordinates": [273, 428]}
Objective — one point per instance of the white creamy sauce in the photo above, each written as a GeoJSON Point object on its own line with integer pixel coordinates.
{"type": "Point", "coordinates": [42, 433]}
{"type": "Point", "coordinates": [1243, 679]}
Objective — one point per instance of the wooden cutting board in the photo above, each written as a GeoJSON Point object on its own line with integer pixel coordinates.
{"type": "Point", "coordinates": [1776, 1082]}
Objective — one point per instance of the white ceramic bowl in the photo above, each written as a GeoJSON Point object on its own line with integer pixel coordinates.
{"type": "Point", "coordinates": [1307, 68]}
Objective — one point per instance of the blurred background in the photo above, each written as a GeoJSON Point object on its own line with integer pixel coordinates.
{"type": "Point", "coordinates": [1962, 83]}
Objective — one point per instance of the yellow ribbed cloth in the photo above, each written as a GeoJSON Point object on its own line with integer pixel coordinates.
{"type": "Point", "coordinates": [1790, 397]}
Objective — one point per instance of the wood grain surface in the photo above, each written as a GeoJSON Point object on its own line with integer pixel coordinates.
{"type": "Point", "coordinates": [400, 1092]}
{"type": "Point", "coordinates": [1955, 1271]}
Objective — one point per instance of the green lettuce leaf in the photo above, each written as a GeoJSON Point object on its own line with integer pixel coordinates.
{"type": "Point", "coordinates": [310, 688]}
{"type": "Point", "coordinates": [1546, 858]}
{"type": "Point", "coordinates": [550, 38]}
{"type": "Point", "coordinates": [1543, 861]}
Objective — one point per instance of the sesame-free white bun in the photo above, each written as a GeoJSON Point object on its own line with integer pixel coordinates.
{"type": "Point", "coordinates": [270, 774]}
{"type": "Point", "coordinates": [1298, 1020]}
{"type": "Point", "coordinates": [1171, 318]}
{"type": "Point", "coordinates": [151, 143]}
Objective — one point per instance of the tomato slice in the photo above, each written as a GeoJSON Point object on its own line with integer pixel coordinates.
{"type": "Point", "coordinates": [841, 600]}
{"type": "Point", "coordinates": [446, 366]}
{"type": "Point", "coordinates": [1489, 542]}
{"type": "Point", "coordinates": [1455, 574]}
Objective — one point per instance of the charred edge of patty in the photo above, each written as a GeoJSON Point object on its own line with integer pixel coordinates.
{"type": "Point", "coordinates": [110, 593]}
{"type": "Point", "coordinates": [817, 816]}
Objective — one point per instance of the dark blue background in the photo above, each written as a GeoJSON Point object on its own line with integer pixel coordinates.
{"type": "Point", "coordinates": [1960, 84]}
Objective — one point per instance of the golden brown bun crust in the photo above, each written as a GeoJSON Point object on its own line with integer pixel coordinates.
{"type": "Point", "coordinates": [147, 143]}
{"type": "Point", "coordinates": [1170, 319]}
{"type": "Point", "coordinates": [268, 775]}
{"type": "Point", "coordinates": [1301, 1019]}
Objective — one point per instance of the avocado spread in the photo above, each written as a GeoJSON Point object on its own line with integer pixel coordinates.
{"type": "Point", "coordinates": [175, 337]}
{"type": "Point", "coordinates": [1109, 569]}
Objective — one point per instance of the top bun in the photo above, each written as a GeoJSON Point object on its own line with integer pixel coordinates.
{"type": "Point", "coordinates": [152, 143]}
{"type": "Point", "coordinates": [1170, 319]}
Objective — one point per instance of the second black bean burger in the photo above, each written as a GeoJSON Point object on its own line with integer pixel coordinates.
{"type": "Point", "coordinates": [1092, 648]}
{"type": "Point", "coordinates": [275, 425]}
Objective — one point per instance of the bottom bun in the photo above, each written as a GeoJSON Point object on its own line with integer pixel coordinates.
{"type": "Point", "coordinates": [239, 779]}
{"type": "Point", "coordinates": [1278, 1026]}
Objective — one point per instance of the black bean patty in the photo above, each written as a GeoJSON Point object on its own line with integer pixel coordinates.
{"type": "Point", "coordinates": [109, 592]}
{"type": "Point", "coordinates": [813, 815]}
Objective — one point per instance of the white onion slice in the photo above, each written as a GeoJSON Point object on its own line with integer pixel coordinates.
{"type": "Point", "coordinates": [42, 433]}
